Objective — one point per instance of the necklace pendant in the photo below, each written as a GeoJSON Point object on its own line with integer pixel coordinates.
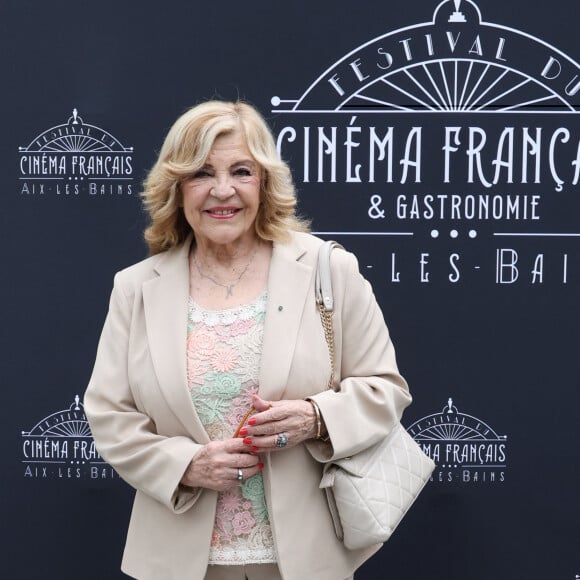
{"type": "Point", "coordinates": [229, 287]}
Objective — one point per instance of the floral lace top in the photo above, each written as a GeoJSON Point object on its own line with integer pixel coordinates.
{"type": "Point", "coordinates": [224, 348]}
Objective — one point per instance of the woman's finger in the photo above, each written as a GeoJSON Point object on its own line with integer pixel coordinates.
{"type": "Point", "coordinates": [259, 404]}
{"type": "Point", "coordinates": [276, 442]}
{"type": "Point", "coordinates": [243, 473]}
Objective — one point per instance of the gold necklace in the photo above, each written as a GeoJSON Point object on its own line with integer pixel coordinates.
{"type": "Point", "coordinates": [229, 287]}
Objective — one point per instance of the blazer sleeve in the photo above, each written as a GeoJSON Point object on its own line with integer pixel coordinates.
{"type": "Point", "coordinates": [372, 394]}
{"type": "Point", "coordinates": [124, 435]}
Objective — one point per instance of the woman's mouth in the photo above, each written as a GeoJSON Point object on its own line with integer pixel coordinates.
{"type": "Point", "coordinates": [222, 213]}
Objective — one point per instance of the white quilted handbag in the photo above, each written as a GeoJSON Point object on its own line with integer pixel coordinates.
{"type": "Point", "coordinates": [369, 493]}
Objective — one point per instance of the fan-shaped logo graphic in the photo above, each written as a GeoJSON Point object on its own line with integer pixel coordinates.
{"type": "Point", "coordinates": [76, 158]}
{"type": "Point", "coordinates": [465, 448]}
{"type": "Point", "coordinates": [60, 446]}
{"type": "Point", "coordinates": [457, 62]}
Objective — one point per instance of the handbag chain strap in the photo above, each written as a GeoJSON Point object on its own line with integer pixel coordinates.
{"type": "Point", "coordinates": [326, 318]}
{"type": "Point", "coordinates": [325, 300]}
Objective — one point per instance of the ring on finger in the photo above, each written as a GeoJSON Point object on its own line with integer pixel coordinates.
{"type": "Point", "coordinates": [281, 440]}
{"type": "Point", "coordinates": [240, 475]}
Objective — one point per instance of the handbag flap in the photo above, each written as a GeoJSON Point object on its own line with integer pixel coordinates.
{"type": "Point", "coordinates": [330, 470]}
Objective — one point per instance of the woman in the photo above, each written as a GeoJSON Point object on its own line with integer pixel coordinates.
{"type": "Point", "coordinates": [222, 319]}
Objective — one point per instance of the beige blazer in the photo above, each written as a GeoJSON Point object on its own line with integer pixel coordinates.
{"type": "Point", "coordinates": [144, 423]}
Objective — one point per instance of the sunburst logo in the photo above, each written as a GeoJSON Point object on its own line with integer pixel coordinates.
{"type": "Point", "coordinates": [465, 448]}
{"type": "Point", "coordinates": [60, 446]}
{"type": "Point", "coordinates": [454, 63]}
{"type": "Point", "coordinates": [76, 158]}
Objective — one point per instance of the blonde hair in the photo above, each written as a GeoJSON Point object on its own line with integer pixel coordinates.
{"type": "Point", "coordinates": [185, 150]}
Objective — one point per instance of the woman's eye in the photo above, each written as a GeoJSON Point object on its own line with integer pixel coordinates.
{"type": "Point", "coordinates": [243, 172]}
{"type": "Point", "coordinates": [200, 174]}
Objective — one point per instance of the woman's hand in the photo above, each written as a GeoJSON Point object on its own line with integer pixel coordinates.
{"type": "Point", "coordinates": [216, 465]}
{"type": "Point", "coordinates": [295, 420]}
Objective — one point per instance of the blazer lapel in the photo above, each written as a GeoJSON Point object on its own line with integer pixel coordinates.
{"type": "Point", "coordinates": [165, 301]}
{"type": "Point", "coordinates": [289, 286]}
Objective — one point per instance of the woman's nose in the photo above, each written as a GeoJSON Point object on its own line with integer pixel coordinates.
{"type": "Point", "coordinates": [223, 187]}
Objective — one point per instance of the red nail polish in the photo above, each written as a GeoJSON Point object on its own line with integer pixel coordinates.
{"type": "Point", "coordinates": [260, 466]}
{"type": "Point", "coordinates": [248, 440]}
{"type": "Point", "coordinates": [243, 432]}
{"type": "Point", "coordinates": [254, 448]}
{"type": "Point", "coordinates": [252, 421]}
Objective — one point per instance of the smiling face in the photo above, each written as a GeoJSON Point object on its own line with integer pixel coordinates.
{"type": "Point", "coordinates": [221, 200]}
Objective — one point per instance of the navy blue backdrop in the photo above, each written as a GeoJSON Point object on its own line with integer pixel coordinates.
{"type": "Point", "coordinates": [438, 141]}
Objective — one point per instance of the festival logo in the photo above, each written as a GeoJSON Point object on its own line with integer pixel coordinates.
{"type": "Point", "coordinates": [73, 159]}
{"type": "Point", "coordinates": [61, 446]}
{"type": "Point", "coordinates": [458, 139]}
{"type": "Point", "coordinates": [466, 449]}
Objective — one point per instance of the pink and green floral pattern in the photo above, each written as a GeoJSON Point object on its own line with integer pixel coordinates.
{"type": "Point", "coordinates": [223, 362]}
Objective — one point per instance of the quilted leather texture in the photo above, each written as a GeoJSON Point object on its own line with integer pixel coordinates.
{"type": "Point", "coordinates": [369, 493]}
